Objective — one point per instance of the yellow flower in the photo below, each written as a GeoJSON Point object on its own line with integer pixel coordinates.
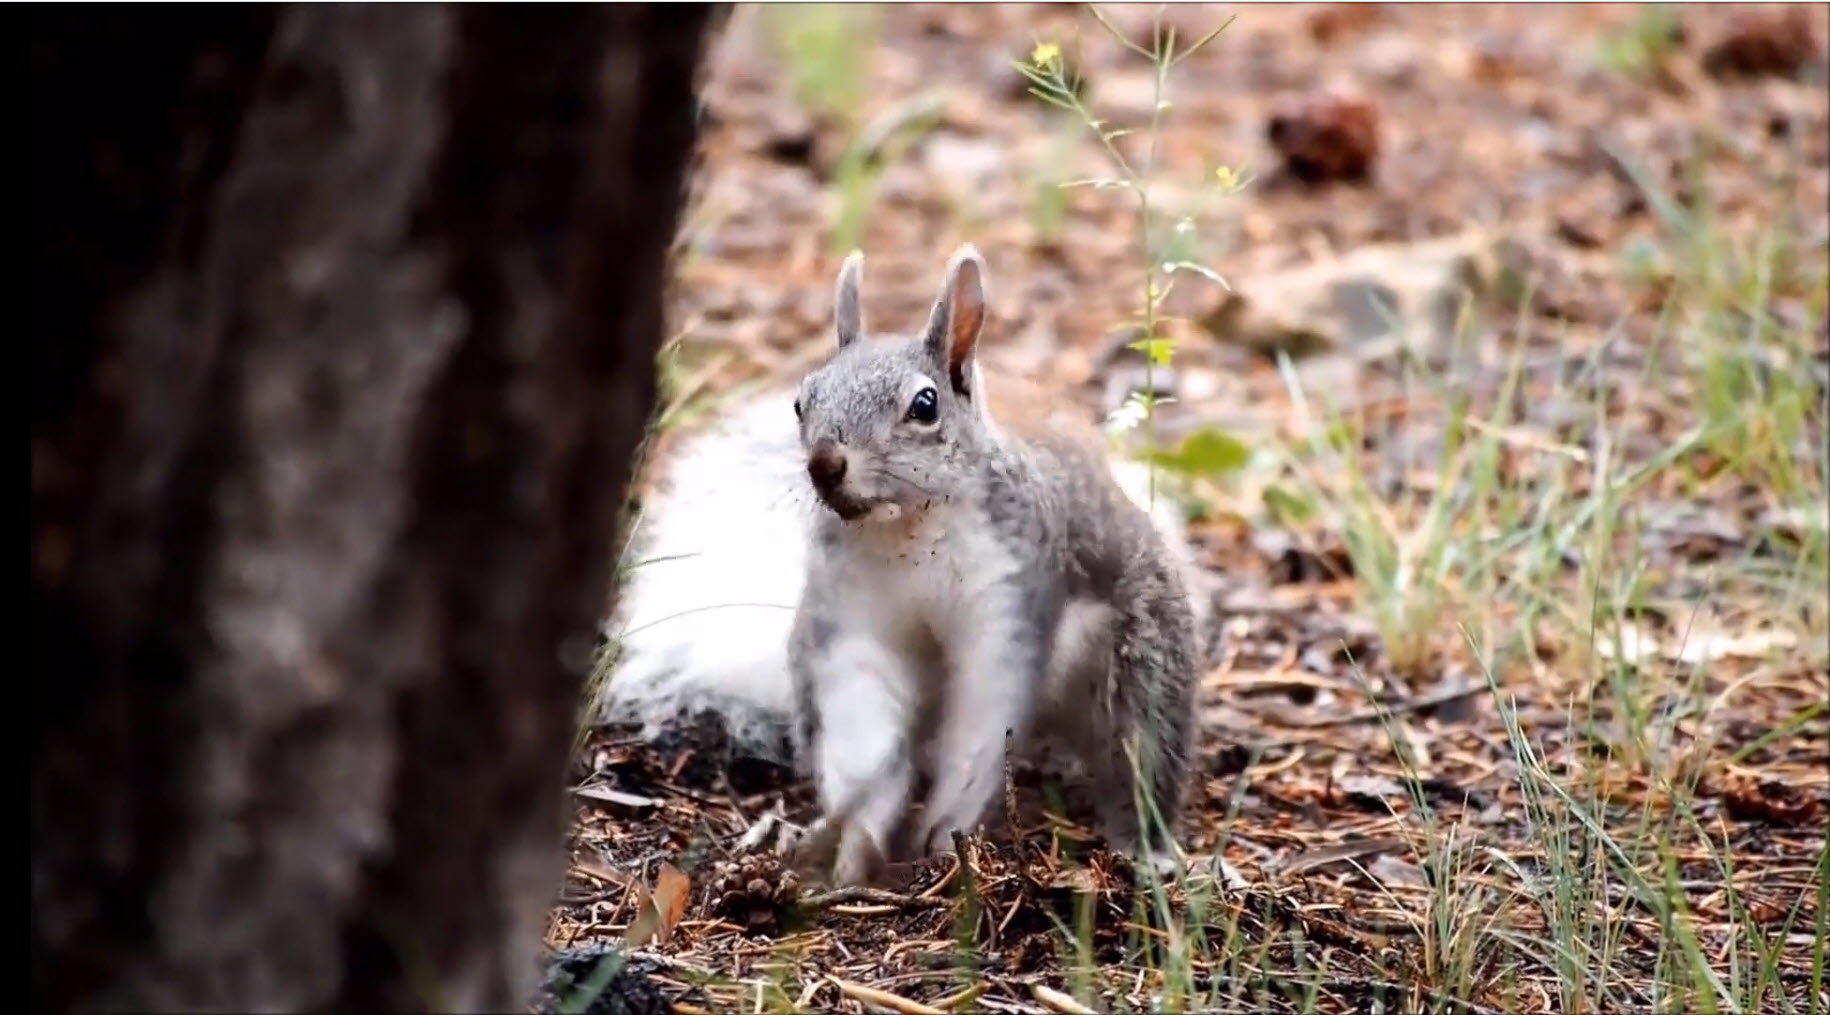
{"type": "Point", "coordinates": [1228, 177]}
{"type": "Point", "coordinates": [1045, 56]}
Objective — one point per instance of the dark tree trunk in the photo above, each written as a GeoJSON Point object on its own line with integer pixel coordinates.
{"type": "Point", "coordinates": [343, 325]}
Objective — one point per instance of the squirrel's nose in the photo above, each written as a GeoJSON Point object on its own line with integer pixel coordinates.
{"type": "Point", "coordinates": [826, 465]}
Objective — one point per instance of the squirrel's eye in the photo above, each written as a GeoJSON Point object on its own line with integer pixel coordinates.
{"type": "Point", "coordinates": [797, 408]}
{"type": "Point", "coordinates": [926, 406]}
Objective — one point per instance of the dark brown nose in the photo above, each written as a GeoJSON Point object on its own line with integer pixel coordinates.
{"type": "Point", "coordinates": [826, 466]}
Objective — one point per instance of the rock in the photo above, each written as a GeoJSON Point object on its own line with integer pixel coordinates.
{"type": "Point", "coordinates": [964, 163]}
{"type": "Point", "coordinates": [1758, 43]}
{"type": "Point", "coordinates": [1389, 58]}
{"type": "Point", "coordinates": [631, 991]}
{"type": "Point", "coordinates": [1326, 136]}
{"type": "Point", "coordinates": [1371, 301]}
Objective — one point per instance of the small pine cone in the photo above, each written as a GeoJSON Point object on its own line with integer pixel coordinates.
{"type": "Point", "coordinates": [1759, 42]}
{"type": "Point", "coordinates": [1326, 136]}
{"type": "Point", "coordinates": [755, 892]}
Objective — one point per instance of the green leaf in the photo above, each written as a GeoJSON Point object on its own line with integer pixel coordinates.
{"type": "Point", "coordinates": [1206, 452]}
{"type": "Point", "coordinates": [1287, 508]}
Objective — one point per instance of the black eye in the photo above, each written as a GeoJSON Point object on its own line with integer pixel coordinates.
{"type": "Point", "coordinates": [797, 408]}
{"type": "Point", "coordinates": [926, 406]}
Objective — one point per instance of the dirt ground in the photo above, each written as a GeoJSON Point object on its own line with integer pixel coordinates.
{"type": "Point", "coordinates": [1343, 780]}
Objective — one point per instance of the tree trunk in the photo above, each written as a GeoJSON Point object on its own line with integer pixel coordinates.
{"type": "Point", "coordinates": [343, 331]}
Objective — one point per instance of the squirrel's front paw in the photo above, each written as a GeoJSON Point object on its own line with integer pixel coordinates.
{"type": "Point", "coordinates": [838, 853]}
{"type": "Point", "coordinates": [860, 860]}
{"type": "Point", "coordinates": [811, 852]}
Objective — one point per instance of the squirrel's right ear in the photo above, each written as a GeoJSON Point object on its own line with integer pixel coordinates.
{"type": "Point", "coordinates": [958, 317]}
{"type": "Point", "coordinates": [847, 316]}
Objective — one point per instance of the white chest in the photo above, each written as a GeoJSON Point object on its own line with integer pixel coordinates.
{"type": "Point", "coordinates": [941, 570]}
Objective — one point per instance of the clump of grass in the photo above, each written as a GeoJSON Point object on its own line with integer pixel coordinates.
{"type": "Point", "coordinates": [1493, 563]}
{"type": "Point", "coordinates": [878, 144]}
{"type": "Point", "coordinates": [1527, 557]}
{"type": "Point", "coordinates": [1645, 43]}
{"type": "Point", "coordinates": [826, 50]}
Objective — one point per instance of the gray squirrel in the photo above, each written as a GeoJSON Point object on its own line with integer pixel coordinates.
{"type": "Point", "coordinates": [874, 575]}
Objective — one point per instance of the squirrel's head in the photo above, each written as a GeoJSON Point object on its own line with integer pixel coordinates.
{"type": "Point", "coordinates": [893, 423]}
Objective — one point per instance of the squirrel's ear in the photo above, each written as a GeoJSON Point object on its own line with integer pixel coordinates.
{"type": "Point", "coordinates": [958, 316]}
{"type": "Point", "coordinates": [847, 317]}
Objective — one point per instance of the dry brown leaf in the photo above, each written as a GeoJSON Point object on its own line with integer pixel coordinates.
{"type": "Point", "coordinates": [1770, 801]}
{"type": "Point", "coordinates": [658, 910]}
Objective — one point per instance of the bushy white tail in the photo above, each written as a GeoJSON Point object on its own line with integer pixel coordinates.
{"type": "Point", "coordinates": [714, 571]}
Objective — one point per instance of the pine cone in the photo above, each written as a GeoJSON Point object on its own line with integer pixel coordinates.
{"type": "Point", "coordinates": [755, 892]}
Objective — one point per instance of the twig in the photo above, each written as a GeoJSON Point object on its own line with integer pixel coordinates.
{"type": "Point", "coordinates": [883, 998]}
{"type": "Point", "coordinates": [1017, 844]}
{"type": "Point", "coordinates": [1055, 1000]}
{"type": "Point", "coordinates": [946, 879]}
{"type": "Point", "coordinates": [672, 965]}
{"type": "Point", "coordinates": [1379, 712]}
{"type": "Point", "coordinates": [861, 893]}
{"type": "Point", "coordinates": [961, 998]}
{"type": "Point", "coordinates": [969, 880]}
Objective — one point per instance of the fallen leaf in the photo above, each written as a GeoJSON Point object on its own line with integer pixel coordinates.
{"type": "Point", "coordinates": [659, 910]}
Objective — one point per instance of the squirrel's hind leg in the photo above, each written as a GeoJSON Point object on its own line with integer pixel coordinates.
{"type": "Point", "coordinates": [1144, 753]}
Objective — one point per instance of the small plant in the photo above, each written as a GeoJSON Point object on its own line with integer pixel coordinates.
{"type": "Point", "coordinates": [1165, 248]}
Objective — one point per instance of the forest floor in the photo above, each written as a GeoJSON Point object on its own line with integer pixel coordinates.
{"type": "Point", "coordinates": [1507, 460]}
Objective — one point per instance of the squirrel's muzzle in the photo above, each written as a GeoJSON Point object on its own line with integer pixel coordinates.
{"type": "Point", "coordinates": [826, 466]}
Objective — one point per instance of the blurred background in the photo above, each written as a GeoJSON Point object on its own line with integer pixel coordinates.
{"type": "Point", "coordinates": [1487, 347]}
{"type": "Point", "coordinates": [1567, 226]}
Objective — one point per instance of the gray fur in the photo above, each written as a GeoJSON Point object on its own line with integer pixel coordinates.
{"type": "Point", "coordinates": [972, 584]}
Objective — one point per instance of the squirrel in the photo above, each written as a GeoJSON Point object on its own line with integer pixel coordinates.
{"type": "Point", "coordinates": [902, 581]}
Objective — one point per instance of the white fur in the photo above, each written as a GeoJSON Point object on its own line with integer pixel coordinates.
{"type": "Point", "coordinates": [943, 567]}
{"type": "Point", "coordinates": [718, 558]}
{"type": "Point", "coordinates": [716, 565]}
{"type": "Point", "coordinates": [867, 777]}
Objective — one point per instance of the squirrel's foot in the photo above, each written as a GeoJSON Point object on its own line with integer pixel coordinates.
{"type": "Point", "coordinates": [860, 860]}
{"type": "Point", "coordinates": [1160, 857]}
{"type": "Point", "coordinates": [810, 850]}
{"type": "Point", "coordinates": [838, 853]}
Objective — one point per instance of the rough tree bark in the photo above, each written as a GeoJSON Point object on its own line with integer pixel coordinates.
{"type": "Point", "coordinates": [343, 323]}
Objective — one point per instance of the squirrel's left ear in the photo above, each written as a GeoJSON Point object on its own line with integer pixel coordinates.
{"type": "Point", "coordinates": [958, 317]}
{"type": "Point", "coordinates": [847, 314]}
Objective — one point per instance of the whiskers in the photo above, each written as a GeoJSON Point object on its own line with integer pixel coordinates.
{"type": "Point", "coordinates": [906, 483]}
